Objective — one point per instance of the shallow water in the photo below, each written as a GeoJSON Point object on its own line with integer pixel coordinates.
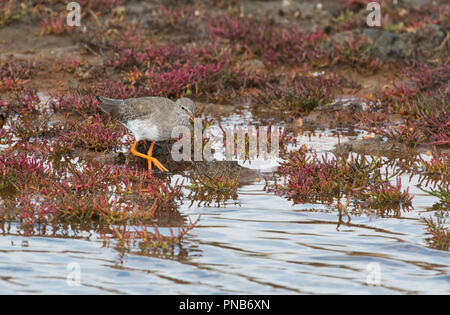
{"type": "Point", "coordinates": [257, 244]}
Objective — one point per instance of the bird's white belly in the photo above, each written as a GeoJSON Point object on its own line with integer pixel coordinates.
{"type": "Point", "coordinates": [142, 130]}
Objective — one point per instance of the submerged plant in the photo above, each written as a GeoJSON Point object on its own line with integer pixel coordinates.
{"type": "Point", "coordinates": [385, 194]}
{"type": "Point", "coordinates": [442, 192]}
{"type": "Point", "coordinates": [149, 239]}
{"type": "Point", "coordinates": [440, 234]}
{"type": "Point", "coordinates": [94, 134]}
{"type": "Point", "coordinates": [310, 178]}
{"type": "Point", "coordinates": [214, 181]}
{"type": "Point", "coordinates": [304, 95]}
{"type": "Point", "coordinates": [106, 194]}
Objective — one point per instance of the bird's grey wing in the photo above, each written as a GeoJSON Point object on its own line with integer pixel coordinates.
{"type": "Point", "coordinates": [134, 108]}
{"type": "Point", "coordinates": [155, 107]}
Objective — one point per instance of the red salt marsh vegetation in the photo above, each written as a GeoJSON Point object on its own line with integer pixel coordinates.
{"type": "Point", "coordinates": [379, 94]}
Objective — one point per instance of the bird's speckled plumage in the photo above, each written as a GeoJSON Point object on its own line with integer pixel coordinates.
{"type": "Point", "coordinates": [149, 118]}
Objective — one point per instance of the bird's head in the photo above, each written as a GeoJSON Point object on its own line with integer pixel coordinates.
{"type": "Point", "coordinates": [187, 106]}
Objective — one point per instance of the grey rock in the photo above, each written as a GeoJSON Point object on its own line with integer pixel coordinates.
{"type": "Point", "coordinates": [424, 43]}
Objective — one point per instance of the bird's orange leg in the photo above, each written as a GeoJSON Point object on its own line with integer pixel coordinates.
{"type": "Point", "coordinates": [155, 161]}
{"type": "Point", "coordinates": [148, 157]}
{"type": "Point", "coordinates": [135, 152]}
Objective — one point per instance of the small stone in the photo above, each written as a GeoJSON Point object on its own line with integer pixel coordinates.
{"type": "Point", "coordinates": [369, 136]}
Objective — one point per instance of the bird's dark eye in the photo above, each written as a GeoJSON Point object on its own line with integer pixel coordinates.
{"type": "Point", "coordinates": [183, 107]}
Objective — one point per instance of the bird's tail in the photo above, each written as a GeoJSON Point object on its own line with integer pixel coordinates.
{"type": "Point", "coordinates": [108, 104]}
